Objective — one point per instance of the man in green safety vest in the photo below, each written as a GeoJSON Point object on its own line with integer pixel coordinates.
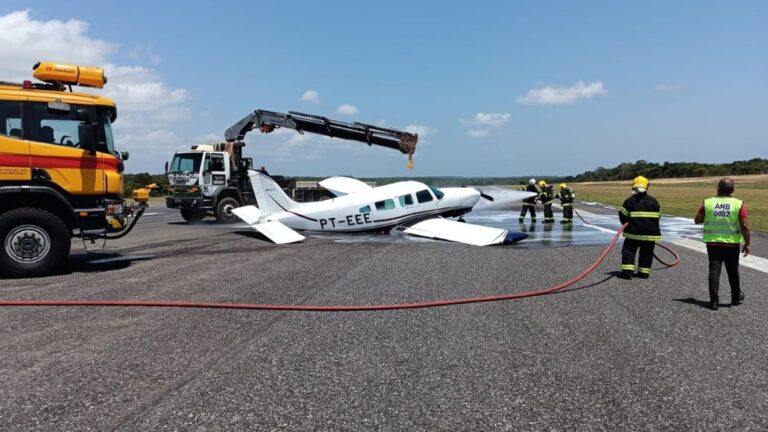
{"type": "Point", "coordinates": [641, 212]}
{"type": "Point", "coordinates": [566, 200]}
{"type": "Point", "coordinates": [725, 228]}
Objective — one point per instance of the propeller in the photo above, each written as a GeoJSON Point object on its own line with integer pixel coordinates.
{"type": "Point", "coordinates": [482, 194]}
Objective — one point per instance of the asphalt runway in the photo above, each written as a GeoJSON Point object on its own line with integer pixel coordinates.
{"type": "Point", "coordinates": [605, 354]}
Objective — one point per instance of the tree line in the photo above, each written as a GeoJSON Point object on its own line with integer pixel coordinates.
{"type": "Point", "coordinates": [624, 171]}
{"type": "Point", "coordinates": [627, 171]}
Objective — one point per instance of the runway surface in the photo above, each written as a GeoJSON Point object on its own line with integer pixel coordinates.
{"type": "Point", "coordinates": [607, 354]}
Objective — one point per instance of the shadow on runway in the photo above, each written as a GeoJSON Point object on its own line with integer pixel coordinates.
{"type": "Point", "coordinates": [700, 303]}
{"type": "Point", "coordinates": [610, 275]}
{"type": "Point", "coordinates": [92, 262]}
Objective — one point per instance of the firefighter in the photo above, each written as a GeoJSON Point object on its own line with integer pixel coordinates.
{"type": "Point", "coordinates": [529, 203]}
{"type": "Point", "coordinates": [547, 196]}
{"type": "Point", "coordinates": [641, 211]}
{"type": "Point", "coordinates": [567, 197]}
{"type": "Point", "coordinates": [725, 228]}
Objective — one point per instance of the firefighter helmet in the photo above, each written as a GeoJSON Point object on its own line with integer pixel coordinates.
{"type": "Point", "coordinates": [532, 181]}
{"type": "Point", "coordinates": [640, 184]}
{"type": "Point", "coordinates": [542, 183]}
{"type": "Point", "coordinates": [563, 186]}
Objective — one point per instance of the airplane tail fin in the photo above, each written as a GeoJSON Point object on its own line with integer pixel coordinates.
{"type": "Point", "coordinates": [269, 196]}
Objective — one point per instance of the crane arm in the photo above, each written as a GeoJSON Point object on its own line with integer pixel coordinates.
{"type": "Point", "coordinates": [267, 121]}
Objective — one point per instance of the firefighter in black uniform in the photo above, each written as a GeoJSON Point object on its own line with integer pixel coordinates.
{"type": "Point", "coordinates": [641, 211]}
{"type": "Point", "coordinates": [529, 203]}
{"type": "Point", "coordinates": [547, 197]}
{"type": "Point", "coordinates": [567, 197]}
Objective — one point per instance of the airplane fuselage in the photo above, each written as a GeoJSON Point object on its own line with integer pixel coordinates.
{"type": "Point", "coordinates": [379, 208]}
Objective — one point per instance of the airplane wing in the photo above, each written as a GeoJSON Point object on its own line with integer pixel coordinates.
{"type": "Point", "coordinates": [273, 230]}
{"type": "Point", "coordinates": [463, 232]}
{"type": "Point", "coordinates": [344, 185]}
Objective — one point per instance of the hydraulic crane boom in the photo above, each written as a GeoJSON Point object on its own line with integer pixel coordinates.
{"type": "Point", "coordinates": [267, 121]}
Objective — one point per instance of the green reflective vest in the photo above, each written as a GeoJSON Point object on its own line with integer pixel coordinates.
{"type": "Point", "coordinates": [721, 220]}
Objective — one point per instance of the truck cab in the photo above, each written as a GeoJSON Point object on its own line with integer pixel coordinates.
{"type": "Point", "coordinates": [60, 174]}
{"type": "Point", "coordinates": [206, 181]}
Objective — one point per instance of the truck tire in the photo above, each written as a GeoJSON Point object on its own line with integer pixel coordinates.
{"type": "Point", "coordinates": [224, 210]}
{"type": "Point", "coordinates": [192, 215]}
{"type": "Point", "coordinates": [33, 242]}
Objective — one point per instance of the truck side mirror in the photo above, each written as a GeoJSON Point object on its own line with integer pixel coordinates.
{"type": "Point", "coordinates": [166, 167]}
{"type": "Point", "coordinates": [87, 134]}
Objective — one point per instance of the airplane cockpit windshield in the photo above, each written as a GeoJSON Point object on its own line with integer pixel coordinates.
{"type": "Point", "coordinates": [438, 193]}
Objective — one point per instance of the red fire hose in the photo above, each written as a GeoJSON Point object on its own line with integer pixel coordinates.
{"type": "Point", "coordinates": [331, 308]}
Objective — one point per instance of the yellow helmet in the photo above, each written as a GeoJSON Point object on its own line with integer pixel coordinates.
{"type": "Point", "coordinates": [640, 184]}
{"type": "Point", "coordinates": [542, 183]}
{"type": "Point", "coordinates": [563, 186]}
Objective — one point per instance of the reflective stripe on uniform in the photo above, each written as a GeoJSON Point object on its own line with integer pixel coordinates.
{"type": "Point", "coordinates": [628, 267]}
{"type": "Point", "coordinates": [643, 214]}
{"type": "Point", "coordinates": [566, 204]}
{"type": "Point", "coordinates": [624, 211]}
{"type": "Point", "coordinates": [652, 238]}
{"type": "Point", "coordinates": [644, 270]}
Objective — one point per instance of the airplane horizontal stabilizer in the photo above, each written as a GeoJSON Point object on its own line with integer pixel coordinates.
{"type": "Point", "coordinates": [249, 214]}
{"type": "Point", "coordinates": [340, 186]}
{"type": "Point", "coordinates": [278, 233]}
{"type": "Point", "coordinates": [462, 232]}
{"type": "Point", "coordinates": [273, 230]}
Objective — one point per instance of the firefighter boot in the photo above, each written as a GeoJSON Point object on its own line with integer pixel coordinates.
{"type": "Point", "coordinates": [736, 299]}
{"type": "Point", "coordinates": [714, 303]}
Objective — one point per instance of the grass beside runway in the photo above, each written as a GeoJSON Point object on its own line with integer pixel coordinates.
{"type": "Point", "coordinates": [681, 199]}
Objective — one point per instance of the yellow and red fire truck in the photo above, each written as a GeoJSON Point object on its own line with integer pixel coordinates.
{"type": "Point", "coordinates": [60, 175]}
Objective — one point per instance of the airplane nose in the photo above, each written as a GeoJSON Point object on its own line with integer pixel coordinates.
{"type": "Point", "coordinates": [470, 197]}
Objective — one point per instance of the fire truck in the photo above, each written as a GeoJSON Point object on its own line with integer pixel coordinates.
{"type": "Point", "coordinates": [60, 174]}
{"type": "Point", "coordinates": [212, 179]}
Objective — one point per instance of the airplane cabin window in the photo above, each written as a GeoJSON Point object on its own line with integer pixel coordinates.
{"type": "Point", "coordinates": [366, 209]}
{"type": "Point", "coordinates": [406, 200]}
{"type": "Point", "coordinates": [438, 193]}
{"type": "Point", "coordinates": [423, 196]}
{"type": "Point", "coordinates": [385, 205]}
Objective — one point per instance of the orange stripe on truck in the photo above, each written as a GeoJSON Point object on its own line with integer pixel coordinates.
{"type": "Point", "coordinates": [108, 163]}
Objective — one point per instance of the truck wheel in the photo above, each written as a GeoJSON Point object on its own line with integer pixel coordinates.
{"type": "Point", "coordinates": [34, 242]}
{"type": "Point", "coordinates": [192, 215]}
{"type": "Point", "coordinates": [224, 210]}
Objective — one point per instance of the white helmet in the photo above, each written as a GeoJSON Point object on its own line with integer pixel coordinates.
{"type": "Point", "coordinates": [532, 181]}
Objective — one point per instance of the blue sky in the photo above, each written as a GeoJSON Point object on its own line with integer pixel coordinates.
{"type": "Point", "coordinates": [495, 88]}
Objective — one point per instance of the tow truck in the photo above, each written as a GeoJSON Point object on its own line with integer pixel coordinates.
{"type": "Point", "coordinates": [212, 179]}
{"type": "Point", "coordinates": [60, 174]}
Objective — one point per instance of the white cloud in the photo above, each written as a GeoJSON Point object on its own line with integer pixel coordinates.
{"type": "Point", "coordinates": [563, 95]}
{"type": "Point", "coordinates": [477, 133]}
{"type": "Point", "coordinates": [147, 106]}
{"type": "Point", "coordinates": [25, 41]}
{"type": "Point", "coordinates": [210, 137]}
{"type": "Point", "coordinates": [347, 109]}
{"type": "Point", "coordinates": [492, 119]}
{"type": "Point", "coordinates": [311, 96]}
{"type": "Point", "coordinates": [423, 131]}
{"type": "Point", "coordinates": [480, 124]}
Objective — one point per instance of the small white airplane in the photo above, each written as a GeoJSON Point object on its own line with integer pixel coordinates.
{"type": "Point", "coordinates": [415, 207]}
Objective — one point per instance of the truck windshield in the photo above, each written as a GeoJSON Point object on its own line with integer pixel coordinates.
{"type": "Point", "coordinates": [108, 136]}
{"type": "Point", "coordinates": [186, 163]}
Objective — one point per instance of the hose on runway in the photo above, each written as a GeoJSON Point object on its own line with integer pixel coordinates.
{"type": "Point", "coordinates": [675, 256]}
{"type": "Point", "coordinates": [330, 308]}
